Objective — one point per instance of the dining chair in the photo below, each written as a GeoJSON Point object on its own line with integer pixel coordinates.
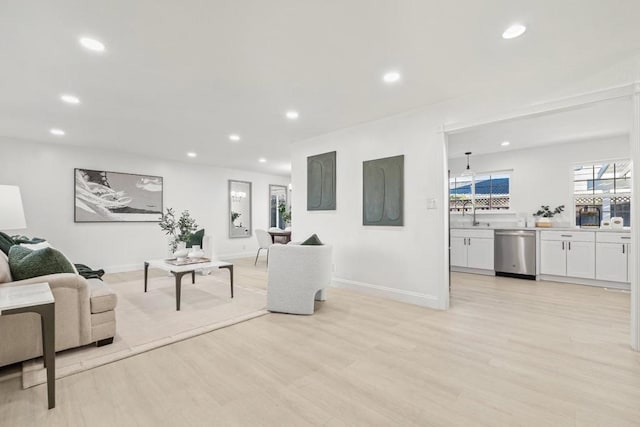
{"type": "Point", "coordinates": [264, 242]}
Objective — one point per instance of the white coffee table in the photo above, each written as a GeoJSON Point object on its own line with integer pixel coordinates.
{"type": "Point", "coordinates": [180, 270]}
{"type": "Point", "coordinates": [36, 298]}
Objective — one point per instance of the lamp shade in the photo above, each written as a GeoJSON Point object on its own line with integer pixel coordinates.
{"type": "Point", "coordinates": [11, 211]}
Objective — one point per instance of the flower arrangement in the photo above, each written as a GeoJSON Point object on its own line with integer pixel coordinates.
{"type": "Point", "coordinates": [180, 230]}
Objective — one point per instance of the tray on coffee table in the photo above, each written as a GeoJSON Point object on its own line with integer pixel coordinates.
{"type": "Point", "coordinates": [186, 261]}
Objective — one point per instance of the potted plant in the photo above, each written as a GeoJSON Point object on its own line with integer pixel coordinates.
{"type": "Point", "coordinates": [179, 230]}
{"type": "Point", "coordinates": [284, 213]}
{"type": "Point", "coordinates": [544, 215]}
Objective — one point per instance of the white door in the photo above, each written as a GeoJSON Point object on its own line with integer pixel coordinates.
{"type": "Point", "coordinates": [611, 262]}
{"type": "Point", "coordinates": [459, 251]}
{"type": "Point", "coordinates": [553, 258]}
{"type": "Point", "coordinates": [581, 260]}
{"type": "Point", "coordinates": [480, 253]}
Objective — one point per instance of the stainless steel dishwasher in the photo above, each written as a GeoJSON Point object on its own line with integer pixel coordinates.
{"type": "Point", "coordinates": [515, 253]}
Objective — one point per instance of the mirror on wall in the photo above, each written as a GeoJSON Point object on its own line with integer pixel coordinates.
{"type": "Point", "coordinates": [278, 206]}
{"type": "Point", "coordinates": [239, 209]}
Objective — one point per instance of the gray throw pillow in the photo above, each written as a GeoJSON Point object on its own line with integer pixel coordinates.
{"type": "Point", "coordinates": [314, 240]}
{"type": "Point", "coordinates": [25, 263]}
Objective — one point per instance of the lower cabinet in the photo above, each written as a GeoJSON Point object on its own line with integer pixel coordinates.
{"type": "Point", "coordinates": [570, 254]}
{"type": "Point", "coordinates": [613, 258]}
{"type": "Point", "coordinates": [472, 249]}
{"type": "Point", "coordinates": [458, 251]}
{"type": "Point", "coordinates": [480, 253]}
{"type": "Point", "coordinates": [553, 258]}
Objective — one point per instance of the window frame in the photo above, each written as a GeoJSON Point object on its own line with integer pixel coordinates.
{"type": "Point", "coordinates": [610, 195]}
{"type": "Point", "coordinates": [473, 177]}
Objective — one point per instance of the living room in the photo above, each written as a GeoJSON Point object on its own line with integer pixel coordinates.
{"type": "Point", "coordinates": [201, 94]}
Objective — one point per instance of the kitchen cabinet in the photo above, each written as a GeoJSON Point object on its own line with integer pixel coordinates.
{"type": "Point", "coordinates": [472, 248]}
{"type": "Point", "coordinates": [458, 251]}
{"type": "Point", "coordinates": [553, 258]}
{"type": "Point", "coordinates": [613, 257]}
{"type": "Point", "coordinates": [570, 254]}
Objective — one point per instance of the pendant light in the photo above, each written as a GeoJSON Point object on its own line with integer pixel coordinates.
{"type": "Point", "coordinates": [467, 171]}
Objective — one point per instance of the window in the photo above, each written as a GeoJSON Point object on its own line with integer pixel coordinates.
{"type": "Point", "coordinates": [604, 185]}
{"type": "Point", "coordinates": [487, 191]}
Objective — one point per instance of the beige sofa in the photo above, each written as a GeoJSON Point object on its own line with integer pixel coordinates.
{"type": "Point", "coordinates": [84, 315]}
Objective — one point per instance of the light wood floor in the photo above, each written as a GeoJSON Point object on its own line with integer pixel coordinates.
{"type": "Point", "coordinates": [509, 353]}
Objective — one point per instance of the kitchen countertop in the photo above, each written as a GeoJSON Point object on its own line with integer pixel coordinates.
{"type": "Point", "coordinates": [512, 227]}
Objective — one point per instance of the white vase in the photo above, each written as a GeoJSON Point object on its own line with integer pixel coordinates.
{"type": "Point", "coordinates": [196, 252]}
{"type": "Point", "coordinates": [181, 250]}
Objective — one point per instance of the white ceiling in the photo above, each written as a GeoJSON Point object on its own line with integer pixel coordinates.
{"type": "Point", "coordinates": [180, 76]}
{"type": "Point", "coordinates": [601, 120]}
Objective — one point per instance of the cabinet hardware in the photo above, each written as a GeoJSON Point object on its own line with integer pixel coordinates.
{"type": "Point", "coordinates": [563, 246]}
{"type": "Point", "coordinates": [566, 235]}
{"type": "Point", "coordinates": [569, 245]}
{"type": "Point", "coordinates": [625, 237]}
{"type": "Point", "coordinates": [469, 241]}
{"type": "Point", "coordinates": [622, 248]}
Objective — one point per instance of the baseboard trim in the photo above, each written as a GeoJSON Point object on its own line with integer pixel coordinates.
{"type": "Point", "coordinates": [473, 271]}
{"type": "Point", "coordinates": [416, 298]}
{"type": "Point", "coordinates": [584, 282]}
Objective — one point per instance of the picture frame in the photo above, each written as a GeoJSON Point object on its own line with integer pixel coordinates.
{"type": "Point", "coordinates": [106, 196]}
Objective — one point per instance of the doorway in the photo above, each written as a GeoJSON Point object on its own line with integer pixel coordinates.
{"type": "Point", "coordinates": [503, 171]}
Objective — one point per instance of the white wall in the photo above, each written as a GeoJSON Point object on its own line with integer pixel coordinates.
{"type": "Point", "coordinates": [407, 262]}
{"type": "Point", "coordinates": [44, 173]}
{"type": "Point", "coordinates": [544, 175]}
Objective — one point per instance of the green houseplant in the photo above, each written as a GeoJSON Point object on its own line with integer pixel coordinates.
{"type": "Point", "coordinates": [180, 230]}
{"type": "Point", "coordinates": [284, 213]}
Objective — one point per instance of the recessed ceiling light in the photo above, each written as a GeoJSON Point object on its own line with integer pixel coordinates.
{"type": "Point", "coordinates": [92, 44]}
{"type": "Point", "coordinates": [505, 143]}
{"type": "Point", "coordinates": [70, 99]}
{"type": "Point", "coordinates": [56, 132]}
{"type": "Point", "coordinates": [514, 31]}
{"type": "Point", "coordinates": [292, 115]}
{"type": "Point", "coordinates": [262, 160]}
{"type": "Point", "coordinates": [192, 154]}
{"type": "Point", "coordinates": [391, 77]}
{"type": "Point", "coordinates": [234, 137]}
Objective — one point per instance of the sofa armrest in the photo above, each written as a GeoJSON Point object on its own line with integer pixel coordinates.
{"type": "Point", "coordinates": [73, 313]}
{"type": "Point", "coordinates": [60, 280]}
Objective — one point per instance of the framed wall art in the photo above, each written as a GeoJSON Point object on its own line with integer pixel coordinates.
{"type": "Point", "coordinates": [321, 182]}
{"type": "Point", "coordinates": [383, 191]}
{"type": "Point", "coordinates": [102, 196]}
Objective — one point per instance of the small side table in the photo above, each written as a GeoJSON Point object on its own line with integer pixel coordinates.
{"type": "Point", "coordinates": [36, 298]}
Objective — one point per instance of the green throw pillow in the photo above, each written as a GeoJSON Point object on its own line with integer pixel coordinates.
{"type": "Point", "coordinates": [5, 243]}
{"type": "Point", "coordinates": [312, 241]}
{"type": "Point", "coordinates": [196, 239]}
{"type": "Point", "coordinates": [25, 263]}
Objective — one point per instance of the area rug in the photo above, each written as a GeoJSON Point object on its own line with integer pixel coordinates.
{"type": "Point", "coordinates": [145, 321]}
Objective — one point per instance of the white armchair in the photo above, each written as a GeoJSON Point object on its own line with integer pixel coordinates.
{"type": "Point", "coordinates": [298, 276]}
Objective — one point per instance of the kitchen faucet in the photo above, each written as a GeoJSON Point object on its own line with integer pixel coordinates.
{"type": "Point", "coordinates": [475, 222]}
{"type": "Point", "coordinates": [464, 204]}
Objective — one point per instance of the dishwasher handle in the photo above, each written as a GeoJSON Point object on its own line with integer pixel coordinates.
{"type": "Point", "coordinates": [517, 233]}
